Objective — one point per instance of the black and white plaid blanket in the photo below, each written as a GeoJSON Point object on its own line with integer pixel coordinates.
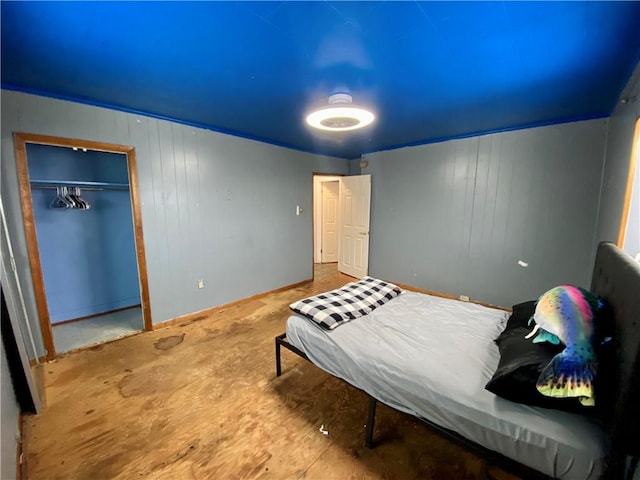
{"type": "Point", "coordinates": [332, 309]}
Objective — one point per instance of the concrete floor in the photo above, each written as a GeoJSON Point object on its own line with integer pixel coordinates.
{"type": "Point", "coordinates": [200, 400]}
{"type": "Point", "coordinates": [101, 328]}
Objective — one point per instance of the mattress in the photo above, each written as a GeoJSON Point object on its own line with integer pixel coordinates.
{"type": "Point", "coordinates": [431, 357]}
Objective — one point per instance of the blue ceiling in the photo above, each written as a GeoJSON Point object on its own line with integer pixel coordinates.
{"type": "Point", "coordinates": [430, 70]}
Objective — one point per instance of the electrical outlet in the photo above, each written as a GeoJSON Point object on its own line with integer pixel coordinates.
{"type": "Point", "coordinates": [200, 283]}
{"type": "Point", "coordinates": [464, 298]}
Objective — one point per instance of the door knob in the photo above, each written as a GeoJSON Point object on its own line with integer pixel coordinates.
{"type": "Point", "coordinates": [364, 233]}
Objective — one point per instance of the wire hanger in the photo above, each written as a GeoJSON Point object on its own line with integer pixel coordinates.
{"type": "Point", "coordinates": [69, 198]}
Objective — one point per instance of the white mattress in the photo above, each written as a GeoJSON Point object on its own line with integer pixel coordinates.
{"type": "Point", "coordinates": [431, 357]}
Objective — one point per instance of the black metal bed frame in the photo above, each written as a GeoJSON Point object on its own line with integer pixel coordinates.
{"type": "Point", "coordinates": [615, 279]}
{"type": "Point", "coordinates": [494, 458]}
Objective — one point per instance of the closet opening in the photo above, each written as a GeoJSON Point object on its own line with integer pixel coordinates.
{"type": "Point", "coordinates": [84, 237]}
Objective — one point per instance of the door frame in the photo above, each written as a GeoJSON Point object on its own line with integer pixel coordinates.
{"type": "Point", "coordinates": [20, 141]}
{"type": "Point", "coordinates": [313, 213]}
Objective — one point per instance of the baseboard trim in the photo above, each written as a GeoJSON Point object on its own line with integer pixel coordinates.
{"type": "Point", "coordinates": [41, 359]}
{"type": "Point", "coordinates": [449, 296]}
{"type": "Point", "coordinates": [190, 317]}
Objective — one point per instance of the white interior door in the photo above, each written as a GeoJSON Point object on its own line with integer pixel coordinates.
{"type": "Point", "coordinates": [330, 193]}
{"type": "Point", "coordinates": [355, 206]}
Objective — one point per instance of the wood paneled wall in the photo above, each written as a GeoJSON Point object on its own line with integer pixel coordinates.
{"type": "Point", "coordinates": [215, 207]}
{"type": "Point", "coordinates": [458, 216]}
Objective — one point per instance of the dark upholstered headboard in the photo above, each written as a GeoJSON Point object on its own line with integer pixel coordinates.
{"type": "Point", "coordinates": [616, 280]}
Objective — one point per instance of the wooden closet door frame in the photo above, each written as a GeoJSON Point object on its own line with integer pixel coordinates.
{"type": "Point", "coordinates": [20, 141]}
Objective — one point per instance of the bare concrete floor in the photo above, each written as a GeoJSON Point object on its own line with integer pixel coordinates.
{"type": "Point", "coordinates": [101, 328]}
{"type": "Point", "coordinates": [200, 400]}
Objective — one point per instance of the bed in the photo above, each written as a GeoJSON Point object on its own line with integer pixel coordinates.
{"type": "Point", "coordinates": [438, 373]}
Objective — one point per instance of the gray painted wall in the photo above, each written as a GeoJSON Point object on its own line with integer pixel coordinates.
{"type": "Point", "coordinates": [616, 169]}
{"type": "Point", "coordinates": [457, 216]}
{"type": "Point", "coordinates": [9, 416]}
{"type": "Point", "coordinates": [214, 207]}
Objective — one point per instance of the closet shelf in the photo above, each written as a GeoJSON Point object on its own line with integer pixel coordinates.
{"type": "Point", "coordinates": [52, 184]}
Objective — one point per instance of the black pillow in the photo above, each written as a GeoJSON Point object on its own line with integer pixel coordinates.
{"type": "Point", "coordinates": [522, 361]}
{"type": "Point", "coordinates": [520, 315]}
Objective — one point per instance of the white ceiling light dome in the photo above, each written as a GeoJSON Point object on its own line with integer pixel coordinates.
{"type": "Point", "coordinates": [341, 115]}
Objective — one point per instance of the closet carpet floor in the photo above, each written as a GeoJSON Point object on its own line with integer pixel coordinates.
{"type": "Point", "coordinates": [200, 400]}
{"type": "Point", "coordinates": [101, 328]}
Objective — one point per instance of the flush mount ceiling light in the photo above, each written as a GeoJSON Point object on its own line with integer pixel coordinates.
{"type": "Point", "coordinates": [340, 115]}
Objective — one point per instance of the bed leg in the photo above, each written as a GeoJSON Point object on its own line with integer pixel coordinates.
{"type": "Point", "coordinates": [278, 364]}
{"type": "Point", "coordinates": [371, 416]}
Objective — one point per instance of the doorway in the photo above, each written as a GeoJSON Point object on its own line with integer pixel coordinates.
{"type": "Point", "coordinates": [325, 218]}
{"type": "Point", "coordinates": [83, 229]}
{"type": "Point", "coordinates": [341, 211]}
{"type": "Point", "coordinates": [629, 234]}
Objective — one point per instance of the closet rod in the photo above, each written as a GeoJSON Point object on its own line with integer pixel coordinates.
{"type": "Point", "coordinates": [53, 184]}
